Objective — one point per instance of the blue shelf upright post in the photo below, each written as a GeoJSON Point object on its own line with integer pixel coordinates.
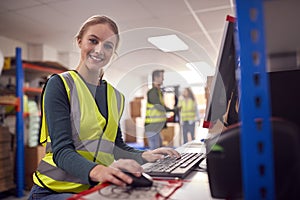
{"type": "Point", "coordinates": [19, 125]}
{"type": "Point", "coordinates": [256, 133]}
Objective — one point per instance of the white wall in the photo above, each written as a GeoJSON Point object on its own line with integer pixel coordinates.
{"type": "Point", "coordinates": [68, 59]}
{"type": "Point", "coordinates": [41, 52]}
{"type": "Point", "coordinates": [8, 47]}
{"type": "Point", "coordinates": [38, 52]}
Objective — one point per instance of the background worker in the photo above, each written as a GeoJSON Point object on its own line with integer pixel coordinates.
{"type": "Point", "coordinates": [189, 114]}
{"type": "Point", "coordinates": [155, 111]}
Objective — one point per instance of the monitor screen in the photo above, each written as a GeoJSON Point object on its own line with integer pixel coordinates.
{"type": "Point", "coordinates": [223, 91]}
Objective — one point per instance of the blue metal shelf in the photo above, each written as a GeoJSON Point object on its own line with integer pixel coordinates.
{"type": "Point", "coordinates": [256, 134]}
{"type": "Point", "coordinates": [19, 125]}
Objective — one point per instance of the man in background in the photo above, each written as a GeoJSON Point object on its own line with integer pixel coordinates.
{"type": "Point", "coordinates": [155, 111]}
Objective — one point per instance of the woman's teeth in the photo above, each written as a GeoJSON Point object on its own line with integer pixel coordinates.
{"type": "Point", "coordinates": [98, 59]}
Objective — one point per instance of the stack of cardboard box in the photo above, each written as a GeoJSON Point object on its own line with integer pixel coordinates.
{"type": "Point", "coordinates": [6, 160]}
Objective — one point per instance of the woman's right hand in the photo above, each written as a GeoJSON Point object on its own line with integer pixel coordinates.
{"type": "Point", "coordinates": [114, 174]}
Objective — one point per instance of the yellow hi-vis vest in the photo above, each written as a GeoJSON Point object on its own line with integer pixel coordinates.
{"type": "Point", "coordinates": [93, 135]}
{"type": "Point", "coordinates": [153, 114]}
{"type": "Point", "coordinates": [187, 110]}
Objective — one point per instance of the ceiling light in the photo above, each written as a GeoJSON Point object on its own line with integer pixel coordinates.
{"type": "Point", "coordinates": [168, 43]}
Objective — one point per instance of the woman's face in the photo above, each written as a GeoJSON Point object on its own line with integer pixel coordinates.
{"type": "Point", "coordinates": [185, 93]}
{"type": "Point", "coordinates": [97, 46]}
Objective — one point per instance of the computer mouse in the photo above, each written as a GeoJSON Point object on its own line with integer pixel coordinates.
{"type": "Point", "coordinates": [143, 181]}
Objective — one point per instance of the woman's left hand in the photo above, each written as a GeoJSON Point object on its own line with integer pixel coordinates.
{"type": "Point", "coordinates": [159, 153]}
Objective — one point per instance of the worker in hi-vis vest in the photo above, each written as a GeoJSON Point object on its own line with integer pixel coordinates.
{"type": "Point", "coordinates": [80, 123]}
{"type": "Point", "coordinates": [189, 114]}
{"type": "Point", "coordinates": [156, 118]}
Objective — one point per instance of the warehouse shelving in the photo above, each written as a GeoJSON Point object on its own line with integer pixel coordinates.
{"type": "Point", "coordinates": [25, 71]}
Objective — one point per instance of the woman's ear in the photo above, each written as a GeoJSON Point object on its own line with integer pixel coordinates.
{"type": "Point", "coordinates": [79, 42]}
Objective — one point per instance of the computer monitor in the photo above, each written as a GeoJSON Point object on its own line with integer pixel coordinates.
{"type": "Point", "coordinates": [223, 150]}
{"type": "Point", "coordinates": [223, 91]}
{"type": "Point", "coordinates": [224, 95]}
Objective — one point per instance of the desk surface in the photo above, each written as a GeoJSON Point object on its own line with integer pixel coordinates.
{"type": "Point", "coordinates": [196, 184]}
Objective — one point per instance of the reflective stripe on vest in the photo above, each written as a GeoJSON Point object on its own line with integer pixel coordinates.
{"type": "Point", "coordinates": [88, 125]}
{"type": "Point", "coordinates": [187, 110]}
{"type": "Point", "coordinates": [156, 113]}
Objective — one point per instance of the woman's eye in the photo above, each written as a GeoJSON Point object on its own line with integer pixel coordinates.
{"type": "Point", "coordinates": [93, 41]}
{"type": "Point", "coordinates": [108, 46]}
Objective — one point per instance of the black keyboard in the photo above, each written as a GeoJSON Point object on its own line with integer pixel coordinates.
{"type": "Point", "coordinates": [174, 167]}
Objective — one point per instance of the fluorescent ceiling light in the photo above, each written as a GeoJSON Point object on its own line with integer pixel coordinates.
{"type": "Point", "coordinates": [201, 67]}
{"type": "Point", "coordinates": [168, 43]}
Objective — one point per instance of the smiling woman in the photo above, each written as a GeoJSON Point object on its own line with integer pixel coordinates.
{"type": "Point", "coordinates": [80, 123]}
{"type": "Point", "coordinates": [98, 38]}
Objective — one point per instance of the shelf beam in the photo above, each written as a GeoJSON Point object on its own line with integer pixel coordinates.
{"type": "Point", "coordinates": [35, 67]}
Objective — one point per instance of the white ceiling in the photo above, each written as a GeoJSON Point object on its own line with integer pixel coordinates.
{"type": "Point", "coordinates": [200, 23]}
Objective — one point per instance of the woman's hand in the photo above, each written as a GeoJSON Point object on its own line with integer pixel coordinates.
{"type": "Point", "coordinates": [113, 173]}
{"type": "Point", "coordinates": [159, 153]}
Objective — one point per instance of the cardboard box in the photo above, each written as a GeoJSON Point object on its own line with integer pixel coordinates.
{"type": "Point", "coordinates": [7, 183]}
{"type": "Point", "coordinates": [8, 100]}
{"type": "Point", "coordinates": [167, 136]}
{"type": "Point", "coordinates": [130, 130]}
{"type": "Point", "coordinates": [5, 135]}
{"type": "Point", "coordinates": [6, 167]}
{"type": "Point", "coordinates": [33, 155]}
{"type": "Point", "coordinates": [6, 160]}
{"type": "Point", "coordinates": [130, 138]}
{"type": "Point", "coordinates": [135, 107]}
{"type": "Point", "coordinates": [7, 173]}
{"type": "Point", "coordinates": [5, 149]}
